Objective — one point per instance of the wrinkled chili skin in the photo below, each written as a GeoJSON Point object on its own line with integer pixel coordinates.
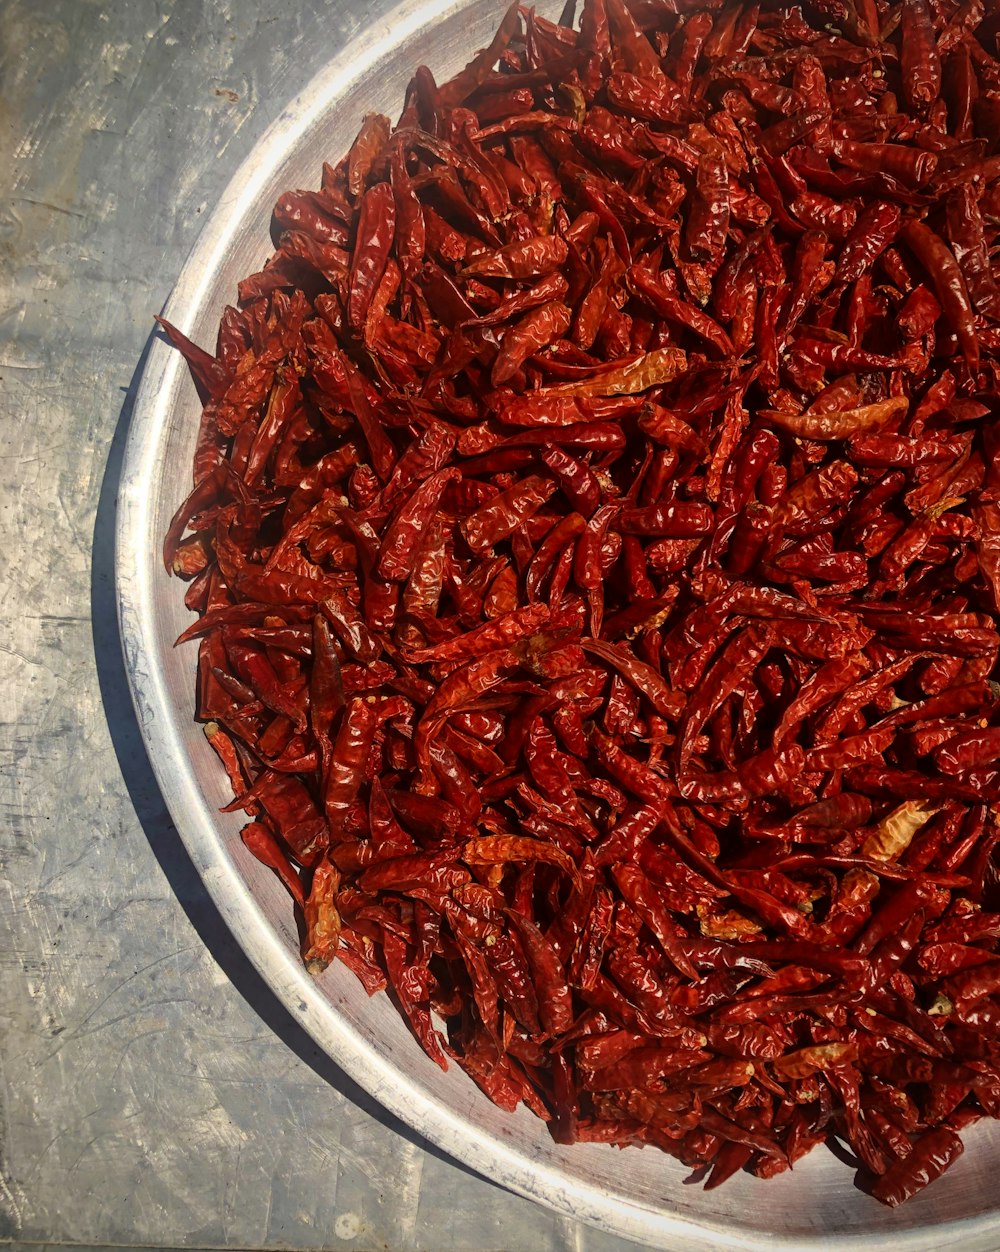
{"type": "Point", "coordinates": [595, 544]}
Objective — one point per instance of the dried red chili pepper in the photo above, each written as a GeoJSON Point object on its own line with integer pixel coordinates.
{"type": "Point", "coordinates": [920, 62]}
{"type": "Point", "coordinates": [595, 544]}
{"type": "Point", "coordinates": [949, 284]}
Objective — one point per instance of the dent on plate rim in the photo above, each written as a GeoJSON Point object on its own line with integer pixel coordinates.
{"type": "Point", "coordinates": [137, 556]}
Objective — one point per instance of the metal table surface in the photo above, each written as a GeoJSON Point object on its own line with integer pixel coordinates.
{"type": "Point", "coordinates": [152, 1091]}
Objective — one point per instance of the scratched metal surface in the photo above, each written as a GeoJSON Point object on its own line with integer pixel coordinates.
{"type": "Point", "coordinates": [152, 1091]}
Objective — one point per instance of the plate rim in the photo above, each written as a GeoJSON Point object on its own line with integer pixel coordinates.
{"type": "Point", "coordinates": [161, 729]}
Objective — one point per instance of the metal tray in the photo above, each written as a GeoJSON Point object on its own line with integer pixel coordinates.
{"type": "Point", "coordinates": [637, 1194]}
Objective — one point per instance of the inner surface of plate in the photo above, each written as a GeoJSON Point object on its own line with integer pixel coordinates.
{"type": "Point", "coordinates": [635, 1193]}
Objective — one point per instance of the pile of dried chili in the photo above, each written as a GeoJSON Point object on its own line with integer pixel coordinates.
{"type": "Point", "coordinates": [596, 545]}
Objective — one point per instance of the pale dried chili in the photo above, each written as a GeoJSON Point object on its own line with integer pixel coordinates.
{"type": "Point", "coordinates": [595, 538]}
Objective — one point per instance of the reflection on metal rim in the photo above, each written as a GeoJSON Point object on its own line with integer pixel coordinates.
{"type": "Point", "coordinates": [637, 1194]}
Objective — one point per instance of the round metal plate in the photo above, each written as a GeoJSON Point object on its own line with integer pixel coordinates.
{"type": "Point", "coordinates": [637, 1194]}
